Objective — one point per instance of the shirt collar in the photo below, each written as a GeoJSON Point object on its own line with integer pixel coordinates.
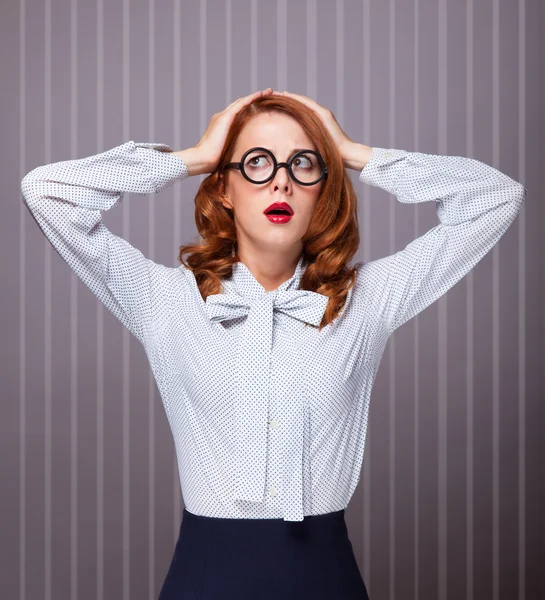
{"type": "Point", "coordinates": [245, 284]}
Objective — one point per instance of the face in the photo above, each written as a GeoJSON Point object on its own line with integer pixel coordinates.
{"type": "Point", "coordinates": [280, 134]}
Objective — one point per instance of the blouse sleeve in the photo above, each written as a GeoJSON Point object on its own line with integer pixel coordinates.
{"type": "Point", "coordinates": [475, 204]}
{"type": "Point", "coordinates": [66, 200]}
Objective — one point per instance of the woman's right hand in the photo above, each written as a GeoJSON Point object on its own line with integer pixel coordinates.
{"type": "Point", "coordinates": [211, 144]}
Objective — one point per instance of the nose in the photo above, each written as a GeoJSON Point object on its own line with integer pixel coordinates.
{"type": "Point", "coordinates": [286, 172]}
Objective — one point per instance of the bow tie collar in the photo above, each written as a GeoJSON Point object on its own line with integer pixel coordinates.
{"type": "Point", "coordinates": [247, 297]}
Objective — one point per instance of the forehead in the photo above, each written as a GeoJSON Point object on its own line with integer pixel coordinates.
{"type": "Point", "coordinates": [276, 131]}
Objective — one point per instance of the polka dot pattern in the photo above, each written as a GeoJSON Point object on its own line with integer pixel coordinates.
{"type": "Point", "coordinates": [253, 361]}
{"type": "Point", "coordinates": [268, 416]}
{"type": "Point", "coordinates": [475, 204]}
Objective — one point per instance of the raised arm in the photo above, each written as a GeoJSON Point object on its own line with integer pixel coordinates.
{"type": "Point", "coordinates": [475, 204]}
{"type": "Point", "coordinates": [66, 200]}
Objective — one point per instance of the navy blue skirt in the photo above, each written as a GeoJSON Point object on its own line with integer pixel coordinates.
{"type": "Point", "coordinates": [263, 559]}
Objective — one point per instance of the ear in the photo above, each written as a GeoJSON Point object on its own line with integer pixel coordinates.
{"type": "Point", "coordinates": [225, 200]}
{"type": "Point", "coordinates": [223, 197]}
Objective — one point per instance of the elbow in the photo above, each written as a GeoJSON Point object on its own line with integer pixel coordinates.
{"type": "Point", "coordinates": [26, 189]}
{"type": "Point", "coordinates": [30, 187]}
{"type": "Point", "coordinates": [518, 193]}
{"type": "Point", "coordinates": [521, 193]}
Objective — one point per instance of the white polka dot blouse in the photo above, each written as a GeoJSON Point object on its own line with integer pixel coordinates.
{"type": "Point", "coordinates": [269, 416]}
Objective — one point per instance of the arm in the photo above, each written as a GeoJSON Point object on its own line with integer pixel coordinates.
{"type": "Point", "coordinates": [66, 199]}
{"type": "Point", "coordinates": [475, 204]}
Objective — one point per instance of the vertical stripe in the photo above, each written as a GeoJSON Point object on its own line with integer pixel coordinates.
{"type": "Point", "coordinates": [495, 314]}
{"type": "Point", "coordinates": [177, 207]}
{"type": "Point", "coordinates": [126, 334]}
{"type": "Point", "coordinates": [22, 306]}
{"type": "Point", "coordinates": [74, 102]}
{"type": "Point", "coordinates": [151, 254]}
{"type": "Point", "coordinates": [416, 454]}
{"type": "Point", "coordinates": [367, 232]}
{"type": "Point", "coordinates": [203, 73]}
{"type": "Point", "coordinates": [522, 307]}
{"type": "Point", "coordinates": [312, 49]}
{"type": "Point", "coordinates": [392, 344]}
{"type": "Point", "coordinates": [442, 308]}
{"type": "Point", "coordinates": [281, 46]}
{"type": "Point", "coordinates": [470, 327]}
{"type": "Point", "coordinates": [253, 45]}
{"type": "Point", "coordinates": [177, 99]}
{"type": "Point", "coordinates": [228, 52]}
{"type": "Point", "coordinates": [47, 314]}
{"type": "Point", "coordinates": [100, 323]}
{"type": "Point", "coordinates": [339, 37]}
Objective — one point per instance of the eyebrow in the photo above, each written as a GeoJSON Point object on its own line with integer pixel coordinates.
{"type": "Point", "coordinates": [293, 151]}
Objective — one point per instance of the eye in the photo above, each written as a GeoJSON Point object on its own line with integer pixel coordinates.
{"type": "Point", "coordinates": [251, 161]}
{"type": "Point", "coordinates": [303, 160]}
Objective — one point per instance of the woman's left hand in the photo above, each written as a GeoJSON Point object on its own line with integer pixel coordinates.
{"type": "Point", "coordinates": [343, 142]}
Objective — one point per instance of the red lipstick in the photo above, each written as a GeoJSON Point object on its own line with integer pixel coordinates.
{"type": "Point", "coordinates": [279, 212]}
{"type": "Point", "coordinates": [279, 218]}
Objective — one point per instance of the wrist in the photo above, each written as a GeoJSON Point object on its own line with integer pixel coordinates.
{"type": "Point", "coordinates": [356, 156]}
{"type": "Point", "coordinates": [194, 160]}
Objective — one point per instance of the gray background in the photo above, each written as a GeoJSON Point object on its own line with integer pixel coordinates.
{"type": "Point", "coordinates": [450, 502]}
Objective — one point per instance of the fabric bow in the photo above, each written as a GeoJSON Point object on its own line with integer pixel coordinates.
{"type": "Point", "coordinates": [253, 371]}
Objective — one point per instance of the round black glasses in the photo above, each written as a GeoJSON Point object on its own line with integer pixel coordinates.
{"type": "Point", "coordinates": [259, 165]}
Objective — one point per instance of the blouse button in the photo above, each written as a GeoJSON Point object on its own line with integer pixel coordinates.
{"type": "Point", "coordinates": [388, 154]}
{"type": "Point", "coordinates": [273, 491]}
{"type": "Point", "coordinates": [274, 423]}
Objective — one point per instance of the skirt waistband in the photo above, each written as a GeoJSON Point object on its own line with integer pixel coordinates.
{"type": "Point", "coordinates": [313, 529]}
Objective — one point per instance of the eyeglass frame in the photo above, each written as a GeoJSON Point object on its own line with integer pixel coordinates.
{"type": "Point", "coordinates": [240, 166]}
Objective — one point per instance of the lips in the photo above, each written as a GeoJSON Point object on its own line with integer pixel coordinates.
{"type": "Point", "coordinates": [283, 208]}
{"type": "Point", "coordinates": [283, 218]}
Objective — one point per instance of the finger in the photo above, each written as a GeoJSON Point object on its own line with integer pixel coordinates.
{"type": "Point", "coordinates": [305, 100]}
{"type": "Point", "coordinates": [248, 99]}
{"type": "Point", "coordinates": [244, 99]}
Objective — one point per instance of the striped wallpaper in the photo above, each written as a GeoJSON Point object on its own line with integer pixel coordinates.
{"type": "Point", "coordinates": [450, 502]}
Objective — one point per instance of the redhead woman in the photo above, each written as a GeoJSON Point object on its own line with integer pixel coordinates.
{"type": "Point", "coordinates": [265, 341]}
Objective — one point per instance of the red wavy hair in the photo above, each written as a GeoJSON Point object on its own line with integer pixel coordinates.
{"type": "Point", "coordinates": [332, 237]}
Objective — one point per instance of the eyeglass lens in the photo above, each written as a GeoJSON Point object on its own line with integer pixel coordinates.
{"type": "Point", "coordinates": [306, 167]}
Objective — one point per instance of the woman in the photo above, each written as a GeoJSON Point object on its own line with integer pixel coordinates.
{"type": "Point", "coordinates": [265, 343]}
